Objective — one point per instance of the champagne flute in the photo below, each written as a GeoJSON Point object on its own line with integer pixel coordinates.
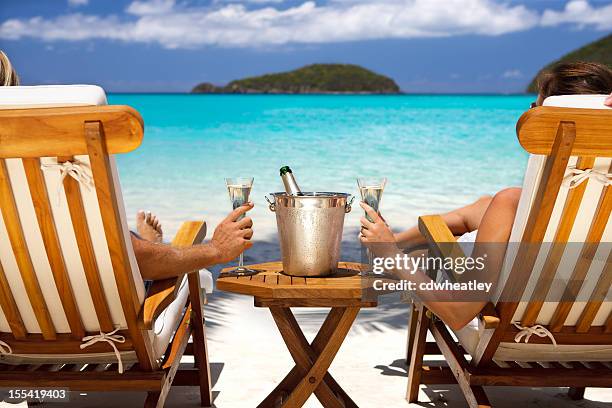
{"type": "Point", "coordinates": [239, 189]}
{"type": "Point", "coordinates": [371, 190]}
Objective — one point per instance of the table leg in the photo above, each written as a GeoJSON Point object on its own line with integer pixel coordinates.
{"type": "Point", "coordinates": [314, 350]}
{"type": "Point", "coordinates": [312, 361]}
{"type": "Point", "coordinates": [283, 389]}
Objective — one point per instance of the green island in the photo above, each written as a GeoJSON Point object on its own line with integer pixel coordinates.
{"type": "Point", "coordinates": [311, 79]}
{"type": "Point", "coordinates": [597, 51]}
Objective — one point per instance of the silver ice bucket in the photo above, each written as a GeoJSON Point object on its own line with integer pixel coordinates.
{"type": "Point", "coordinates": [310, 231]}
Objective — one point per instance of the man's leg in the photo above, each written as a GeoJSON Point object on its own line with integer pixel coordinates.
{"type": "Point", "coordinates": [149, 226]}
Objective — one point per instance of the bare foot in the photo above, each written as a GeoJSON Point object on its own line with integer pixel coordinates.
{"type": "Point", "coordinates": [148, 226]}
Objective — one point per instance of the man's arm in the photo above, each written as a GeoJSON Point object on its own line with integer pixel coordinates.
{"type": "Point", "coordinates": [230, 239]}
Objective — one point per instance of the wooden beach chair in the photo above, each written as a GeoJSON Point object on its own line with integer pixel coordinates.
{"type": "Point", "coordinates": [74, 312]}
{"type": "Point", "coordinates": [555, 293]}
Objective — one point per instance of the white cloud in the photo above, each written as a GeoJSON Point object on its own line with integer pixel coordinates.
{"type": "Point", "coordinates": [77, 3]}
{"type": "Point", "coordinates": [249, 1]}
{"type": "Point", "coordinates": [178, 25]}
{"type": "Point", "coordinates": [512, 74]}
{"type": "Point", "coordinates": [581, 13]}
{"type": "Point", "coordinates": [143, 8]}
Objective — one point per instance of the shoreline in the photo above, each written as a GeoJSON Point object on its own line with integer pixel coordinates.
{"type": "Point", "coordinates": [402, 94]}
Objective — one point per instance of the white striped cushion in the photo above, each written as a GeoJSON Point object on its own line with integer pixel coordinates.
{"type": "Point", "coordinates": [68, 95]}
{"type": "Point", "coordinates": [469, 335]}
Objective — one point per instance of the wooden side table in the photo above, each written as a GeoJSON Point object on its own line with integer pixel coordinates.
{"type": "Point", "coordinates": [343, 292]}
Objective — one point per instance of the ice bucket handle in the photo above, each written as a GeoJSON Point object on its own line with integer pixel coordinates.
{"type": "Point", "coordinates": [271, 205]}
{"type": "Point", "coordinates": [347, 207]}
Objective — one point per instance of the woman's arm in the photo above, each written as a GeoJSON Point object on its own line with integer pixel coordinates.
{"type": "Point", "coordinates": [494, 229]}
{"type": "Point", "coordinates": [459, 221]}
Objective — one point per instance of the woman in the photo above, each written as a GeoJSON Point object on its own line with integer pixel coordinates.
{"type": "Point", "coordinates": [490, 219]}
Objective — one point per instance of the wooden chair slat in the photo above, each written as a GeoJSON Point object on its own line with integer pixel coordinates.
{"type": "Point", "coordinates": [536, 130]}
{"type": "Point", "coordinates": [9, 307]}
{"type": "Point", "coordinates": [596, 300]}
{"type": "Point", "coordinates": [71, 367]}
{"type": "Point", "coordinates": [86, 251]}
{"type": "Point", "coordinates": [42, 207]}
{"type": "Point", "coordinates": [194, 234]}
{"type": "Point", "coordinates": [65, 343]}
{"type": "Point", "coordinates": [598, 225]}
{"type": "Point", "coordinates": [597, 365]}
{"type": "Point", "coordinates": [24, 130]}
{"type": "Point", "coordinates": [535, 229]}
{"type": "Point", "coordinates": [48, 367]}
{"type": "Point", "coordinates": [90, 367]}
{"type": "Point", "coordinates": [107, 200]}
{"type": "Point", "coordinates": [568, 217]}
{"type": "Point", "coordinates": [12, 221]}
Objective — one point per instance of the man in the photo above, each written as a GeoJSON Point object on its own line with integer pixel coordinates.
{"type": "Point", "coordinates": [159, 261]}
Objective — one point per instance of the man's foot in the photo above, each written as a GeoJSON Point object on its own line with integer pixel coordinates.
{"type": "Point", "coordinates": [148, 226]}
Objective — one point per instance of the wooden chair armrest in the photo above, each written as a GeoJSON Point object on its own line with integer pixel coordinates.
{"type": "Point", "coordinates": [163, 292]}
{"type": "Point", "coordinates": [488, 318]}
{"type": "Point", "coordinates": [440, 239]}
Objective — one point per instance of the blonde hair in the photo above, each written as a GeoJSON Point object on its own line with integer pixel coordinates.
{"type": "Point", "coordinates": [8, 76]}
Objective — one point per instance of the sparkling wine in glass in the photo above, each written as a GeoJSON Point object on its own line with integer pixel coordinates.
{"type": "Point", "coordinates": [371, 190]}
{"type": "Point", "coordinates": [239, 189]}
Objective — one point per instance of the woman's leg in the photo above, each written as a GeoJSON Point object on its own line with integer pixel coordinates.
{"type": "Point", "coordinates": [460, 221]}
{"type": "Point", "coordinates": [496, 223]}
{"type": "Point", "coordinates": [493, 234]}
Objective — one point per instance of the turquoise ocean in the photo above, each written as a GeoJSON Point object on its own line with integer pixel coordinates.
{"type": "Point", "coordinates": [438, 152]}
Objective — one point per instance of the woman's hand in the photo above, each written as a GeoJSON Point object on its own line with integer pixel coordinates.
{"type": "Point", "coordinates": [608, 101]}
{"type": "Point", "coordinates": [377, 231]}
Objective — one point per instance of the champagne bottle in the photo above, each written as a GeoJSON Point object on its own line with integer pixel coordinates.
{"type": "Point", "coordinates": [291, 186]}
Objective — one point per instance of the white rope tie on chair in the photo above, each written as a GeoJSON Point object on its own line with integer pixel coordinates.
{"type": "Point", "coordinates": [578, 176]}
{"type": "Point", "coordinates": [527, 332]}
{"type": "Point", "coordinates": [110, 338]}
{"type": "Point", "coordinates": [5, 348]}
{"type": "Point", "coordinates": [76, 170]}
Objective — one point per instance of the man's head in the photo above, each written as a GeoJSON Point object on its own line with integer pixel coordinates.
{"type": "Point", "coordinates": [575, 78]}
{"type": "Point", "coordinates": [8, 76]}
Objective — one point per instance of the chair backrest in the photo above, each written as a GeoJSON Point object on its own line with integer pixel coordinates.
{"type": "Point", "coordinates": [67, 267]}
{"type": "Point", "coordinates": [557, 271]}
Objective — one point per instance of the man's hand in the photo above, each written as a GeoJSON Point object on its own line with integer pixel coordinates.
{"type": "Point", "coordinates": [608, 101]}
{"type": "Point", "coordinates": [232, 236]}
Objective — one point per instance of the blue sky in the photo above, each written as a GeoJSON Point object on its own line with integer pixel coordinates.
{"type": "Point", "coordinates": [170, 45]}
